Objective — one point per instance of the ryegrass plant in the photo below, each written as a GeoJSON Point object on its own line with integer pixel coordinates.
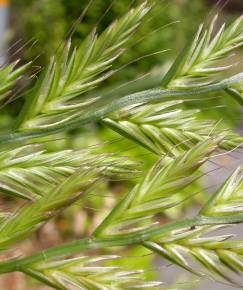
{"type": "Point", "coordinates": [156, 119]}
{"type": "Point", "coordinates": [9, 77]}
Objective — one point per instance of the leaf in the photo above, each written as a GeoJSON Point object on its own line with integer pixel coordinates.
{"type": "Point", "coordinates": [198, 64]}
{"type": "Point", "coordinates": [89, 273]}
{"type": "Point", "coordinates": [228, 201]}
{"type": "Point", "coordinates": [29, 172]}
{"type": "Point", "coordinates": [217, 254]}
{"type": "Point", "coordinates": [160, 189]}
{"type": "Point", "coordinates": [167, 128]}
{"type": "Point", "coordinates": [9, 76]}
{"type": "Point", "coordinates": [27, 219]}
{"type": "Point", "coordinates": [59, 95]}
{"type": "Point", "coordinates": [236, 93]}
